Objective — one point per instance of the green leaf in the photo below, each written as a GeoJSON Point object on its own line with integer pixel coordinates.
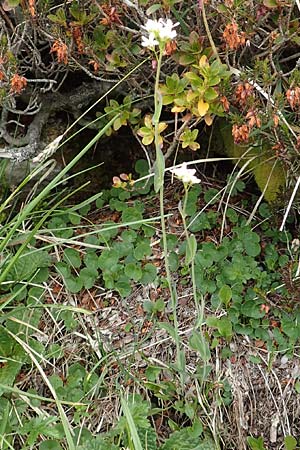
{"type": "Point", "coordinates": [141, 167]}
{"type": "Point", "coordinates": [191, 248]}
{"type": "Point", "coordinates": [50, 445]}
{"type": "Point", "coordinates": [271, 3]}
{"type": "Point", "coordinates": [88, 277]}
{"type": "Point", "coordinates": [72, 257]}
{"type": "Point", "coordinates": [252, 309]}
{"type": "Point", "coordinates": [152, 372]}
{"type": "Point", "coordinates": [173, 261]}
{"type": "Point", "coordinates": [28, 264]}
{"type": "Point", "coordinates": [225, 294]}
{"type": "Point", "coordinates": [210, 94]}
{"type": "Point", "coordinates": [132, 215]}
{"type": "Point", "coordinates": [143, 249]}
{"type": "Point", "coordinates": [13, 3]}
{"type": "Point", "coordinates": [123, 287]}
{"type": "Point", "coordinates": [108, 259]}
{"type": "Point", "coordinates": [185, 439]}
{"type": "Point", "coordinates": [91, 260]}
{"type": "Point", "coordinates": [133, 271]}
{"type": "Point", "coordinates": [290, 443]}
{"type": "Point", "coordinates": [169, 329]}
{"type": "Point", "coordinates": [223, 325]}
{"type": "Point", "coordinates": [153, 8]}
{"type": "Point", "coordinates": [256, 443]}
{"type": "Point", "coordinates": [73, 284]}
{"type": "Point", "coordinates": [198, 342]}
{"type": "Point", "coordinates": [149, 273]}
{"type": "Point", "coordinates": [159, 170]}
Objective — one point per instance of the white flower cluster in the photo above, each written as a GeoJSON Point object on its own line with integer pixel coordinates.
{"type": "Point", "coordinates": [160, 31]}
{"type": "Point", "coordinates": [187, 176]}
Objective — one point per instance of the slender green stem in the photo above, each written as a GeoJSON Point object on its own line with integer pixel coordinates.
{"type": "Point", "coordinates": [160, 183]}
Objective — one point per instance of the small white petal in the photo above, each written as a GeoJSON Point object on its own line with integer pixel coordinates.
{"type": "Point", "coordinates": [185, 175]}
{"type": "Point", "coordinates": [149, 42]}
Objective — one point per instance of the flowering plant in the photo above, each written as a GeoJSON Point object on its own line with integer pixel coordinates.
{"type": "Point", "coordinates": [159, 32]}
{"type": "Point", "coordinates": [187, 176]}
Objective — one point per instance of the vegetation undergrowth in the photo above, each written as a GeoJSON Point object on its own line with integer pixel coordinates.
{"type": "Point", "coordinates": [54, 298]}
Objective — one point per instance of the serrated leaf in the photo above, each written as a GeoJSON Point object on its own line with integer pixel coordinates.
{"type": "Point", "coordinates": [123, 287]}
{"type": "Point", "coordinates": [72, 257]}
{"type": "Point", "coordinates": [133, 271]}
{"type": "Point", "coordinates": [149, 273]}
{"type": "Point", "coordinates": [108, 259]}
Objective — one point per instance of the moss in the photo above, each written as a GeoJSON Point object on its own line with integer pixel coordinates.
{"type": "Point", "coordinates": [266, 170]}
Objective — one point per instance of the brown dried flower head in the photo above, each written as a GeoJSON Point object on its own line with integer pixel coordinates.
{"type": "Point", "coordinates": [225, 103]}
{"type": "Point", "coordinates": [253, 119]}
{"type": "Point", "coordinates": [77, 36]}
{"type": "Point", "coordinates": [293, 97]}
{"type": "Point", "coordinates": [17, 84]}
{"type": "Point", "coordinates": [111, 16]}
{"type": "Point", "coordinates": [243, 92]}
{"type": "Point", "coordinates": [61, 51]}
{"type": "Point", "coordinates": [232, 37]}
{"type": "Point", "coordinates": [31, 7]}
{"type": "Point", "coordinates": [240, 133]}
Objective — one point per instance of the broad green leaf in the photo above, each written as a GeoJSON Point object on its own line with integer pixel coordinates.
{"type": "Point", "coordinates": [149, 273]}
{"type": "Point", "coordinates": [72, 257]}
{"type": "Point", "coordinates": [88, 277]}
{"type": "Point", "coordinates": [13, 3]}
{"type": "Point", "coordinates": [108, 259]}
{"type": "Point", "coordinates": [50, 445]}
{"type": "Point", "coordinates": [143, 249]}
{"type": "Point", "coordinates": [133, 271]}
{"type": "Point", "coordinates": [225, 294]}
{"type": "Point", "coordinates": [123, 287]}
{"type": "Point", "coordinates": [28, 264]}
{"type": "Point", "coordinates": [290, 443]}
{"type": "Point", "coordinates": [256, 443]}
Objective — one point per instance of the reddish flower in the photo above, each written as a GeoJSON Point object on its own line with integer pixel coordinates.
{"type": "Point", "coordinates": [232, 38]}
{"type": "Point", "coordinates": [61, 51]}
{"type": "Point", "coordinates": [240, 133]}
{"type": "Point", "coordinates": [293, 97]}
{"type": "Point", "coordinates": [225, 103]}
{"type": "Point", "coordinates": [31, 7]}
{"type": "Point", "coordinates": [253, 119]}
{"type": "Point", "coordinates": [17, 83]}
{"type": "Point", "coordinates": [243, 92]}
{"type": "Point", "coordinates": [77, 36]}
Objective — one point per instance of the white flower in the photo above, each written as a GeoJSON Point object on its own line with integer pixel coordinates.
{"type": "Point", "coordinates": [160, 31]}
{"type": "Point", "coordinates": [187, 176]}
{"type": "Point", "coordinates": [149, 42]}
